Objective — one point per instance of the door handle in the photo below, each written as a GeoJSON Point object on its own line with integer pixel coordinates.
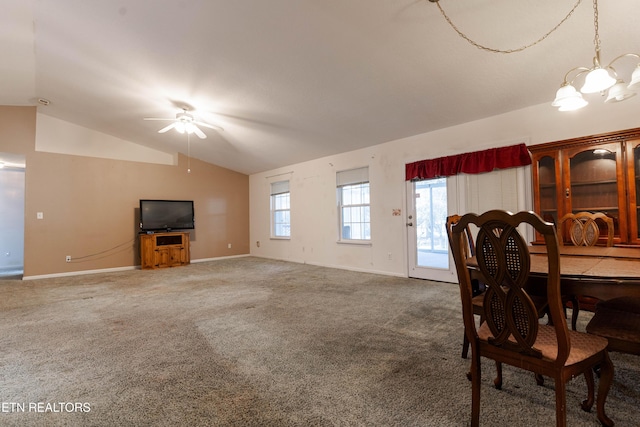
{"type": "Point", "coordinates": [409, 224]}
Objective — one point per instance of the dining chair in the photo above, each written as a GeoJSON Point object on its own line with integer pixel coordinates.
{"type": "Point", "coordinates": [584, 229]}
{"type": "Point", "coordinates": [478, 288]}
{"type": "Point", "coordinates": [511, 332]}
{"type": "Point", "coordinates": [618, 320]}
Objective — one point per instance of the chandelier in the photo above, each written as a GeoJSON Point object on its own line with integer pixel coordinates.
{"type": "Point", "coordinates": [604, 80]}
{"type": "Point", "coordinates": [596, 79]}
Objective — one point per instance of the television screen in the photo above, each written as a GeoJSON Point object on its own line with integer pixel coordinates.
{"type": "Point", "coordinates": [167, 215]}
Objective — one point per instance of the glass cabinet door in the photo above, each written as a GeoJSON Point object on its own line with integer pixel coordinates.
{"type": "Point", "coordinates": [547, 189]}
{"type": "Point", "coordinates": [633, 179]}
{"type": "Point", "coordinates": [546, 179]}
{"type": "Point", "coordinates": [593, 185]}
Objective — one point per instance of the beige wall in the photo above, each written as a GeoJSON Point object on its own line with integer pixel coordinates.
{"type": "Point", "coordinates": [90, 205]}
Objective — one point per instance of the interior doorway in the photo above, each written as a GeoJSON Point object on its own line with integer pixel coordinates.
{"type": "Point", "coordinates": [12, 198]}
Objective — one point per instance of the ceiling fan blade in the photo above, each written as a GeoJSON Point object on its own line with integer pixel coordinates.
{"type": "Point", "coordinates": [164, 129]}
{"type": "Point", "coordinates": [198, 132]}
{"type": "Point", "coordinates": [207, 125]}
{"type": "Point", "coordinates": [155, 118]}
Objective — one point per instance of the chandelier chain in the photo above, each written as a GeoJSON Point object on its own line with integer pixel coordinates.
{"type": "Point", "coordinates": [520, 49]}
{"type": "Point", "coordinates": [596, 39]}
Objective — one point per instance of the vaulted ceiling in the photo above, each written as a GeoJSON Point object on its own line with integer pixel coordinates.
{"type": "Point", "coordinates": [294, 80]}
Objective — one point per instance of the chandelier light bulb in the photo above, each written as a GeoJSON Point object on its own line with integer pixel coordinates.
{"type": "Point", "coordinates": [635, 79]}
{"type": "Point", "coordinates": [568, 99]}
{"type": "Point", "coordinates": [619, 92]}
{"type": "Point", "coordinates": [597, 80]}
{"type": "Point", "coordinates": [574, 105]}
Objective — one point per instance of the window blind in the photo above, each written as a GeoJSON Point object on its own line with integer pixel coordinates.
{"type": "Point", "coordinates": [352, 176]}
{"type": "Point", "coordinates": [279, 187]}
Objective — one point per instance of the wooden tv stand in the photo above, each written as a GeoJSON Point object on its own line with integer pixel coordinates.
{"type": "Point", "coordinates": [166, 249]}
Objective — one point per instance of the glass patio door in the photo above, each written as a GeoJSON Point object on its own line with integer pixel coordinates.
{"type": "Point", "coordinates": [428, 245]}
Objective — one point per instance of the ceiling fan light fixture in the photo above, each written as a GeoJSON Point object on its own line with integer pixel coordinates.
{"type": "Point", "coordinates": [185, 122]}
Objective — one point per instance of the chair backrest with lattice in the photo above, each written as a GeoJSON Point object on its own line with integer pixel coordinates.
{"type": "Point", "coordinates": [471, 249]}
{"type": "Point", "coordinates": [503, 260]}
{"type": "Point", "coordinates": [584, 228]}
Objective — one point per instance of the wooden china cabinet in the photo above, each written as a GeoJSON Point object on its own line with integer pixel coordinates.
{"type": "Point", "coordinates": [598, 173]}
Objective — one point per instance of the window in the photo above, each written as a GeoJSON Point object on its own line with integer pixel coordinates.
{"type": "Point", "coordinates": [280, 210]}
{"type": "Point", "coordinates": [353, 204]}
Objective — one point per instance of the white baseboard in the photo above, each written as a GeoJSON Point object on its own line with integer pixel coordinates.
{"type": "Point", "coordinates": [79, 273]}
{"type": "Point", "coordinates": [339, 267]}
{"type": "Point", "coordinates": [111, 270]}
{"type": "Point", "coordinates": [194, 261]}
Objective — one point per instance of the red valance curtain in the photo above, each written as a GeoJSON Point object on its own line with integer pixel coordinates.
{"type": "Point", "coordinates": [476, 162]}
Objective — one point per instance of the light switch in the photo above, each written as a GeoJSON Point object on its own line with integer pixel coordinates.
{"type": "Point", "coordinates": [40, 215]}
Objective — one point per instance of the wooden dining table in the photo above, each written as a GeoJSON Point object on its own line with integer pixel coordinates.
{"type": "Point", "coordinates": [595, 271]}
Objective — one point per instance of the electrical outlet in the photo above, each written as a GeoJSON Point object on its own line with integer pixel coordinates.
{"type": "Point", "coordinates": [389, 255]}
{"type": "Point", "coordinates": [229, 246]}
{"type": "Point", "coordinates": [68, 258]}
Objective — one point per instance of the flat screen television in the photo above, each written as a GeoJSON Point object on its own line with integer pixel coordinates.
{"type": "Point", "coordinates": [166, 215]}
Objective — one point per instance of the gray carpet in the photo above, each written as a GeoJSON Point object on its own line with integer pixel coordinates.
{"type": "Point", "coordinates": [255, 342]}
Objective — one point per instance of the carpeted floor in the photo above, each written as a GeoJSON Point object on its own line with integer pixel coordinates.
{"type": "Point", "coordinates": [255, 342]}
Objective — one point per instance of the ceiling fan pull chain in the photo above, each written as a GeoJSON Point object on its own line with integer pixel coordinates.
{"type": "Point", "coordinates": [188, 152]}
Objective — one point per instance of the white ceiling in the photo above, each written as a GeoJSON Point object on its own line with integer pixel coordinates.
{"type": "Point", "coordinates": [294, 80]}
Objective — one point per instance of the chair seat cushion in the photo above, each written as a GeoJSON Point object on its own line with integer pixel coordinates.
{"type": "Point", "coordinates": [478, 302]}
{"type": "Point", "coordinates": [618, 320]}
{"type": "Point", "coordinates": [583, 345]}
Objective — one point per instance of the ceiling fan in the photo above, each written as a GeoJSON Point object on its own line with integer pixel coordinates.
{"type": "Point", "coordinates": [185, 122]}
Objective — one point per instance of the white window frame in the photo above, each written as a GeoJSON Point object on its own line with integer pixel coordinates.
{"type": "Point", "coordinates": [358, 179]}
{"type": "Point", "coordinates": [280, 191]}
